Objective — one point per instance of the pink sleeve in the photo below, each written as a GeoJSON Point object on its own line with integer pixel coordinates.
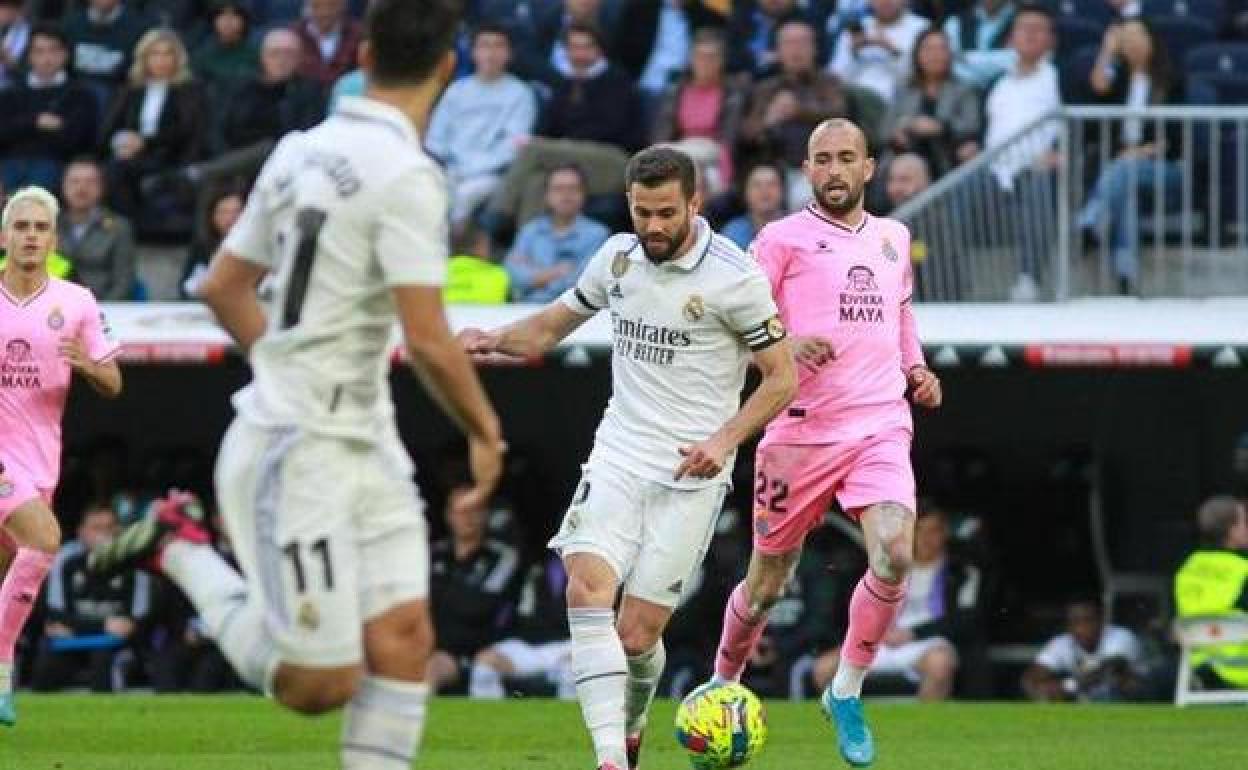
{"type": "Point", "coordinates": [911, 348]}
{"type": "Point", "coordinates": [95, 331]}
{"type": "Point", "coordinates": [772, 257]}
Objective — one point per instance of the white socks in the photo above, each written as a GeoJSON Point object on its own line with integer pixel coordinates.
{"type": "Point", "coordinates": [601, 673]}
{"type": "Point", "coordinates": [848, 680]}
{"type": "Point", "coordinates": [383, 724]}
{"type": "Point", "coordinates": [221, 598]}
{"type": "Point", "coordinates": [644, 671]}
{"type": "Point", "coordinates": [485, 682]}
{"type": "Point", "coordinates": [6, 678]}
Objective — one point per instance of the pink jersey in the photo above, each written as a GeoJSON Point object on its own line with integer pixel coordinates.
{"type": "Point", "coordinates": [34, 378]}
{"type": "Point", "coordinates": [851, 287]}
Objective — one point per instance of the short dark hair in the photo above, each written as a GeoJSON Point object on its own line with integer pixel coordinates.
{"type": "Point", "coordinates": [568, 166]}
{"type": "Point", "coordinates": [52, 30]}
{"type": "Point", "coordinates": [491, 28]}
{"type": "Point", "coordinates": [86, 160]}
{"type": "Point", "coordinates": [658, 165]}
{"type": "Point", "coordinates": [409, 38]}
{"type": "Point", "coordinates": [1033, 7]}
{"type": "Point", "coordinates": [585, 28]}
{"type": "Point", "coordinates": [1215, 518]}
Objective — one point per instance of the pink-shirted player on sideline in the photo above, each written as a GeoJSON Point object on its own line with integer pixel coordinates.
{"type": "Point", "coordinates": [842, 280]}
{"type": "Point", "coordinates": [49, 329]}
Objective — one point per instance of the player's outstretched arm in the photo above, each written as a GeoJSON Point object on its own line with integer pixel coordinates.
{"type": "Point", "coordinates": [527, 338]}
{"type": "Point", "coordinates": [230, 290]}
{"type": "Point", "coordinates": [774, 392]}
{"type": "Point", "coordinates": [451, 380]}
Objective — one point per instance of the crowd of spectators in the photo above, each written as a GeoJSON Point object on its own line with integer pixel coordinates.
{"type": "Point", "coordinates": [178, 102]}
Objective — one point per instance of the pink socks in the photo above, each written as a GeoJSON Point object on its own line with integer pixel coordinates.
{"type": "Point", "coordinates": [18, 594]}
{"type": "Point", "coordinates": [739, 637]}
{"type": "Point", "coordinates": [872, 609]}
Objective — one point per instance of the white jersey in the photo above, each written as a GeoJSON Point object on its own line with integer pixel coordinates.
{"type": "Point", "coordinates": [340, 214]}
{"type": "Point", "coordinates": [1063, 654]}
{"type": "Point", "coordinates": [682, 333]}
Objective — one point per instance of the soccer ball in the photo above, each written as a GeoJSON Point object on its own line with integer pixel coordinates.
{"type": "Point", "coordinates": [721, 726]}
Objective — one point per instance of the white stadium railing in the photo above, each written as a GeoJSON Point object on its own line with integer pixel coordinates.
{"type": "Point", "coordinates": [1011, 223]}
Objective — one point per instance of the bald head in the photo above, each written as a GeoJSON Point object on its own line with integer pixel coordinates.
{"type": "Point", "coordinates": [838, 167]}
{"type": "Point", "coordinates": [1223, 522]}
{"type": "Point", "coordinates": [834, 133]}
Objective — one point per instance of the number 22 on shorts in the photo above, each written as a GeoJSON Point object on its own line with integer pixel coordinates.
{"type": "Point", "coordinates": [770, 497]}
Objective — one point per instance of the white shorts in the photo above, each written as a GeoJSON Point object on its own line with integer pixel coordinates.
{"type": "Point", "coordinates": [532, 659]}
{"type": "Point", "coordinates": [330, 532]}
{"type": "Point", "coordinates": [653, 536]}
{"type": "Point", "coordinates": [904, 658]}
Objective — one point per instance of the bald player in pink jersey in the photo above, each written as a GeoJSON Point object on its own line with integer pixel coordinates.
{"type": "Point", "coordinates": [842, 280]}
{"type": "Point", "coordinates": [49, 329]}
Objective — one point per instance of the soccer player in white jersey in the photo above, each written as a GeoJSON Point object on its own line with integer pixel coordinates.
{"type": "Point", "coordinates": [688, 312]}
{"type": "Point", "coordinates": [313, 483]}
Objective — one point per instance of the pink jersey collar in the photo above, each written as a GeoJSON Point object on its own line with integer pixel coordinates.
{"type": "Point", "coordinates": [813, 210]}
{"type": "Point", "coordinates": [25, 302]}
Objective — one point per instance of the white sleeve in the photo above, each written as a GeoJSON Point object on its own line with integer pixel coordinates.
{"type": "Point", "coordinates": [413, 233]}
{"type": "Point", "coordinates": [1056, 655]}
{"type": "Point", "coordinates": [589, 295]}
{"type": "Point", "coordinates": [251, 237]}
{"type": "Point", "coordinates": [750, 311]}
{"type": "Point", "coordinates": [1123, 644]}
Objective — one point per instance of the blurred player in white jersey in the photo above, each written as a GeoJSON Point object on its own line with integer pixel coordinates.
{"type": "Point", "coordinates": [688, 312]}
{"type": "Point", "coordinates": [313, 482]}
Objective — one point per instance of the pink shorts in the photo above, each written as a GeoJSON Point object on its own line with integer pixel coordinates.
{"type": "Point", "coordinates": [16, 491]}
{"type": "Point", "coordinates": [794, 484]}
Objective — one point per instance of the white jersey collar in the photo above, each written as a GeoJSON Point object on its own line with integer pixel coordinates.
{"type": "Point", "coordinates": [365, 109]}
{"type": "Point", "coordinates": [692, 258]}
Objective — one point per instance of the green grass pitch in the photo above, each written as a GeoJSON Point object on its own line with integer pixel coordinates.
{"type": "Point", "coordinates": [246, 733]}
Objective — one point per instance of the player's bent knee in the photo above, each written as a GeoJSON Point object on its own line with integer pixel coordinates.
{"type": "Point", "coordinates": [400, 641]}
{"type": "Point", "coordinates": [639, 639]}
{"type": "Point", "coordinates": [941, 662]}
{"type": "Point", "coordinates": [312, 692]}
{"type": "Point", "coordinates": [585, 591]}
{"type": "Point", "coordinates": [34, 525]}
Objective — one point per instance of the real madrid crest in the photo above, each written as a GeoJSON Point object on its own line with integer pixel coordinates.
{"type": "Point", "coordinates": [695, 308]}
{"type": "Point", "coordinates": [309, 618]}
{"type": "Point", "coordinates": [888, 251]}
{"type": "Point", "coordinates": [56, 320]}
{"type": "Point", "coordinates": [620, 265]}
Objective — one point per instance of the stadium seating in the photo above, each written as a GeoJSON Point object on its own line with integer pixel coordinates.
{"type": "Point", "coordinates": [1183, 33]}
{"type": "Point", "coordinates": [1075, 33]}
{"type": "Point", "coordinates": [1074, 71]}
{"type": "Point", "coordinates": [1217, 58]}
{"type": "Point", "coordinates": [1097, 11]}
{"type": "Point", "coordinates": [1193, 633]}
{"type": "Point", "coordinates": [1208, 10]}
